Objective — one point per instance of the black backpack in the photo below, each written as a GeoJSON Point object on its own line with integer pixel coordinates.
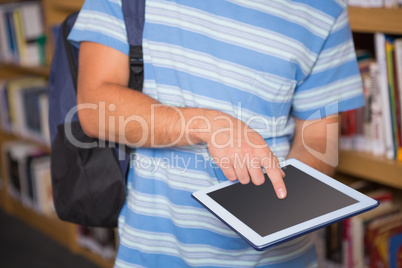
{"type": "Point", "coordinates": [88, 183]}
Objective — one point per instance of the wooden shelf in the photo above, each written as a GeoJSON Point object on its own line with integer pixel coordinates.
{"type": "Point", "coordinates": [370, 167]}
{"type": "Point", "coordinates": [17, 69]}
{"type": "Point", "coordinates": [67, 6]}
{"type": "Point", "coordinates": [60, 231]}
{"type": "Point", "coordinates": [370, 20]}
{"type": "Point", "coordinates": [5, 136]}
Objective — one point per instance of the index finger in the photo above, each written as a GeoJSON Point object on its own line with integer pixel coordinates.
{"type": "Point", "coordinates": [275, 175]}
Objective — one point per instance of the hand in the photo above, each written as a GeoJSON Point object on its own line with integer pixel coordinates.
{"type": "Point", "coordinates": [240, 152]}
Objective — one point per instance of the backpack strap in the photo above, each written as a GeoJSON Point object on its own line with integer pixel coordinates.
{"type": "Point", "coordinates": [134, 16]}
{"type": "Point", "coordinates": [72, 56]}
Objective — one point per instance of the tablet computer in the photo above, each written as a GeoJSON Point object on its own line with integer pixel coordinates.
{"type": "Point", "coordinates": [314, 200]}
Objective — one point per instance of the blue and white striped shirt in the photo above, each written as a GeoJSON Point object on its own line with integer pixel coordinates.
{"type": "Point", "coordinates": [264, 62]}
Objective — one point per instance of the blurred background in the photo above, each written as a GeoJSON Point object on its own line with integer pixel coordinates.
{"type": "Point", "coordinates": [370, 158]}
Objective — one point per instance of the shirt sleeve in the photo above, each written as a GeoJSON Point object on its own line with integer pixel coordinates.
{"type": "Point", "coordinates": [334, 83]}
{"type": "Point", "coordinates": [101, 21]}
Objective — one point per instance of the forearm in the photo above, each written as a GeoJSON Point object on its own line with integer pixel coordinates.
{"type": "Point", "coordinates": [300, 152]}
{"type": "Point", "coordinates": [130, 117]}
{"type": "Point", "coordinates": [316, 143]}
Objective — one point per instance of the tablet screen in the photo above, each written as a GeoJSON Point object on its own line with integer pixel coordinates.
{"type": "Point", "coordinates": [260, 209]}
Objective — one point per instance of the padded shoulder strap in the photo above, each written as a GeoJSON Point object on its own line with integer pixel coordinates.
{"type": "Point", "coordinates": [134, 13]}
{"type": "Point", "coordinates": [65, 30]}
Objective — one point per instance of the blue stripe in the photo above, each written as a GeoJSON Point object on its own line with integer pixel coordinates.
{"type": "Point", "coordinates": [331, 8]}
{"type": "Point", "coordinates": [228, 52]}
{"type": "Point", "coordinates": [106, 7]}
{"type": "Point", "coordinates": [338, 73]}
{"type": "Point", "coordinates": [185, 235]}
{"type": "Point", "coordinates": [342, 35]}
{"type": "Point", "coordinates": [149, 260]}
{"type": "Point", "coordinates": [344, 105]}
{"type": "Point", "coordinates": [255, 18]}
{"type": "Point", "coordinates": [100, 39]}
{"type": "Point", "coordinates": [216, 90]}
{"type": "Point", "coordinates": [178, 197]}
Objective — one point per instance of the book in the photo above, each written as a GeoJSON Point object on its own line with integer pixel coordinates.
{"type": "Point", "coordinates": [15, 154]}
{"type": "Point", "coordinates": [32, 125]}
{"type": "Point", "coordinates": [5, 121]}
{"type": "Point", "coordinates": [359, 225]}
{"type": "Point", "coordinates": [391, 3]}
{"type": "Point", "coordinates": [376, 112]}
{"type": "Point", "coordinates": [41, 176]}
{"type": "Point", "coordinates": [19, 35]}
{"type": "Point", "coordinates": [395, 251]}
{"type": "Point", "coordinates": [348, 130]}
{"type": "Point", "coordinates": [14, 89]}
{"type": "Point", "coordinates": [4, 47]}
{"type": "Point", "coordinates": [379, 233]}
{"type": "Point", "coordinates": [34, 33]}
{"type": "Point", "coordinates": [22, 33]}
{"type": "Point", "coordinates": [333, 239]}
{"type": "Point", "coordinates": [44, 117]}
{"type": "Point", "coordinates": [398, 75]}
{"type": "Point", "coordinates": [385, 96]}
{"type": "Point", "coordinates": [389, 47]}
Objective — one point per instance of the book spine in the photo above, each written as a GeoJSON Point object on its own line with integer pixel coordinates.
{"type": "Point", "coordinates": [389, 47]}
{"type": "Point", "coordinates": [390, 3]}
{"type": "Point", "coordinates": [383, 82]}
{"type": "Point", "coordinates": [34, 33]}
{"type": "Point", "coordinates": [12, 44]}
{"type": "Point", "coordinates": [398, 75]}
{"type": "Point", "coordinates": [19, 35]}
{"type": "Point", "coordinates": [376, 110]}
{"type": "Point", "coordinates": [4, 51]}
{"type": "Point", "coordinates": [397, 108]}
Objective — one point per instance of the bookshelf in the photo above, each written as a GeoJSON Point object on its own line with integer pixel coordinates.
{"type": "Point", "coordinates": [54, 12]}
{"type": "Point", "coordinates": [18, 70]}
{"type": "Point", "coordinates": [370, 167]}
{"type": "Point", "coordinates": [370, 20]}
{"type": "Point", "coordinates": [363, 165]}
{"type": "Point", "coordinates": [356, 164]}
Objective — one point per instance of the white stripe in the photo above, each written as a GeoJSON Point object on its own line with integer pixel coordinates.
{"type": "Point", "coordinates": [320, 104]}
{"type": "Point", "coordinates": [342, 21]}
{"type": "Point", "coordinates": [97, 28]}
{"type": "Point", "coordinates": [181, 216]}
{"type": "Point", "coordinates": [230, 31]}
{"type": "Point", "coordinates": [175, 96]}
{"type": "Point", "coordinates": [162, 243]}
{"type": "Point", "coordinates": [173, 169]}
{"type": "Point", "coordinates": [310, 93]}
{"type": "Point", "coordinates": [118, 2]}
{"type": "Point", "coordinates": [229, 25]}
{"type": "Point", "coordinates": [257, 85]}
{"type": "Point", "coordinates": [103, 17]}
{"type": "Point", "coordinates": [342, 3]}
{"type": "Point", "coordinates": [208, 60]}
{"type": "Point", "coordinates": [261, 123]}
{"type": "Point", "coordinates": [122, 264]}
{"type": "Point", "coordinates": [335, 57]}
{"type": "Point", "coordinates": [173, 181]}
{"type": "Point", "coordinates": [313, 20]}
{"type": "Point", "coordinates": [308, 9]}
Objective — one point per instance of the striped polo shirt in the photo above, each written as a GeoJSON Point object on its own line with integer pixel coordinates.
{"type": "Point", "coordinates": [264, 62]}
